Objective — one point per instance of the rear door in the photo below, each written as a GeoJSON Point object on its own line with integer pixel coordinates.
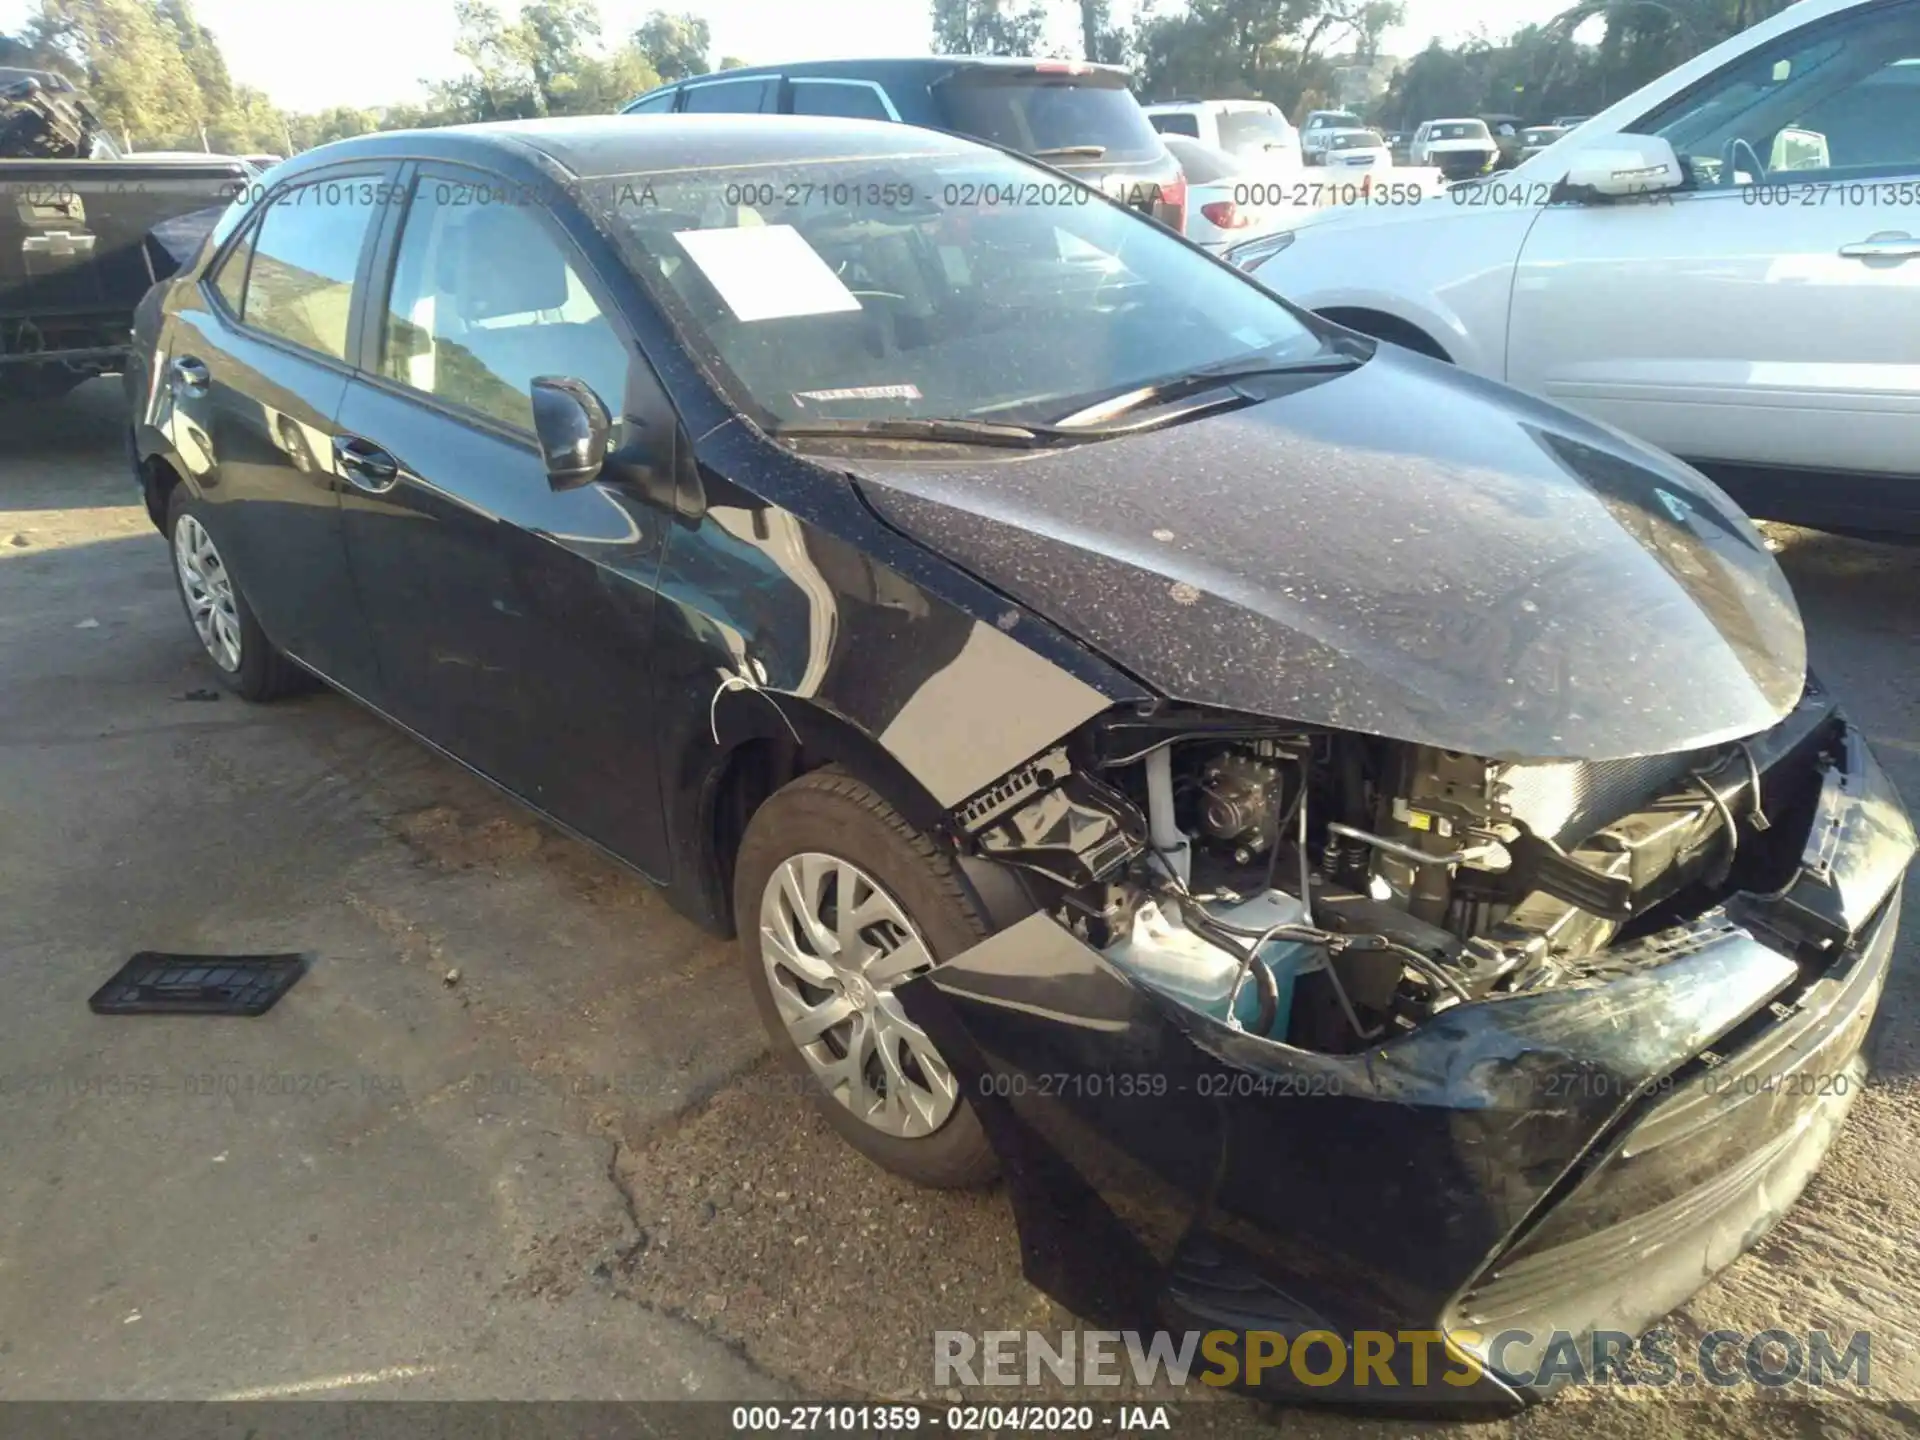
{"type": "Point", "coordinates": [513, 622]}
{"type": "Point", "coordinates": [1768, 315]}
{"type": "Point", "coordinates": [257, 363]}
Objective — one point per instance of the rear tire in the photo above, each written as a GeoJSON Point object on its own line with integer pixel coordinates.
{"type": "Point", "coordinates": [246, 661]}
{"type": "Point", "coordinates": [904, 910]}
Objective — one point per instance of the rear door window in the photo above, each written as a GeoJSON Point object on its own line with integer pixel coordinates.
{"type": "Point", "coordinates": [306, 253]}
{"type": "Point", "coordinates": [1037, 112]}
{"type": "Point", "coordinates": [731, 97]}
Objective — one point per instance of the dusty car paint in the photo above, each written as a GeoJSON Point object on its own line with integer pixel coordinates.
{"type": "Point", "coordinates": [1488, 575]}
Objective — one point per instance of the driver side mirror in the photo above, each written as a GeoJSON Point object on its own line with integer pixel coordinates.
{"type": "Point", "coordinates": [573, 427]}
{"type": "Point", "coordinates": [1625, 165]}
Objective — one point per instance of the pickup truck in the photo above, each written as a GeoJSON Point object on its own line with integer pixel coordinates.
{"type": "Point", "coordinates": [85, 232]}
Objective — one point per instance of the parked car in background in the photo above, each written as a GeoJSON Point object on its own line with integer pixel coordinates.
{"type": "Point", "coordinates": [1224, 198]}
{"type": "Point", "coordinates": [1357, 150]}
{"type": "Point", "coordinates": [1505, 130]}
{"type": "Point", "coordinates": [1674, 267]}
{"type": "Point", "coordinates": [1318, 126]}
{"type": "Point", "coordinates": [1567, 122]}
{"type": "Point", "coordinates": [1536, 138]}
{"type": "Point", "coordinates": [1255, 132]}
{"type": "Point", "coordinates": [1399, 143]}
{"type": "Point", "coordinates": [1045, 653]}
{"type": "Point", "coordinates": [1080, 119]}
{"type": "Point", "coordinates": [1457, 148]}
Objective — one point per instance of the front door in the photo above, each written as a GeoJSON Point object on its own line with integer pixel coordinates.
{"type": "Point", "coordinates": [513, 622]}
{"type": "Point", "coordinates": [1767, 314]}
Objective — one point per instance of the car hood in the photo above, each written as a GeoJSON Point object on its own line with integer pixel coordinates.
{"type": "Point", "coordinates": [1404, 550]}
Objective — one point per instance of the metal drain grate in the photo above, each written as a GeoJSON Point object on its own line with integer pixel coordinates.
{"type": "Point", "coordinates": [152, 983]}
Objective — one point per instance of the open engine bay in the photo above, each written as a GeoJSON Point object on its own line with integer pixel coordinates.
{"type": "Point", "coordinates": [1333, 891]}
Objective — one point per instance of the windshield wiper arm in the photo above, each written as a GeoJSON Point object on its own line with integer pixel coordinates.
{"type": "Point", "coordinates": [956, 431]}
{"type": "Point", "coordinates": [1092, 152]}
{"type": "Point", "coordinates": [1207, 378]}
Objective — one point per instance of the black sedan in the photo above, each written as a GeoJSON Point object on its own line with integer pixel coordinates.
{"type": "Point", "coordinates": [1328, 828]}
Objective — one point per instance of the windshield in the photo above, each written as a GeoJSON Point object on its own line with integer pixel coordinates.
{"type": "Point", "coordinates": [1841, 102]}
{"type": "Point", "coordinates": [1356, 140]}
{"type": "Point", "coordinates": [1040, 112]}
{"type": "Point", "coordinates": [1252, 132]}
{"type": "Point", "coordinates": [1459, 130]}
{"type": "Point", "coordinates": [929, 283]}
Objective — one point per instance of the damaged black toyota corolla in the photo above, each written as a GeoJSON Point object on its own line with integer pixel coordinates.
{"type": "Point", "coordinates": [1358, 848]}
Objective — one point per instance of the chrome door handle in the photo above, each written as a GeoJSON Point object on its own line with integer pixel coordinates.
{"type": "Point", "coordinates": [365, 465]}
{"type": "Point", "coordinates": [1887, 245]}
{"type": "Point", "coordinates": [191, 375]}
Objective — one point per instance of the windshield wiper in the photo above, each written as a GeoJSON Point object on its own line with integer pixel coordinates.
{"type": "Point", "coordinates": [1053, 152]}
{"type": "Point", "coordinates": [1209, 377]}
{"type": "Point", "coordinates": [955, 431]}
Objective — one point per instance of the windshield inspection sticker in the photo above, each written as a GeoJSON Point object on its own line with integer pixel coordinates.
{"type": "Point", "coordinates": [860, 392]}
{"type": "Point", "coordinates": [767, 272]}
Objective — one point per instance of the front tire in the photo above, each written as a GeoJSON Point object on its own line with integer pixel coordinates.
{"type": "Point", "coordinates": [217, 609]}
{"type": "Point", "coordinates": [838, 901]}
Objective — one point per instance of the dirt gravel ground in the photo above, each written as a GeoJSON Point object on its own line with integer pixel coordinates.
{"type": "Point", "coordinates": [586, 1178]}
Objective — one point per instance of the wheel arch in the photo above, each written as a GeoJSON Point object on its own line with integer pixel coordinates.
{"type": "Point", "coordinates": [158, 480]}
{"type": "Point", "coordinates": [765, 742]}
{"type": "Point", "coordinates": [1382, 325]}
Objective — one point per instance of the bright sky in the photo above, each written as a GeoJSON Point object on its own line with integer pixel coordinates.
{"type": "Point", "coordinates": [308, 56]}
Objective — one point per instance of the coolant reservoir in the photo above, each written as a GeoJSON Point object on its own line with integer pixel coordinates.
{"type": "Point", "coordinates": [1160, 951]}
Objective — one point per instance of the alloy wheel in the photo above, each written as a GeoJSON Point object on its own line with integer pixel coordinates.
{"type": "Point", "coordinates": [209, 590]}
{"type": "Point", "coordinates": [835, 945]}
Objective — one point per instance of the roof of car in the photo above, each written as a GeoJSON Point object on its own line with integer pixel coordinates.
{"type": "Point", "coordinates": [928, 66]}
{"type": "Point", "coordinates": [593, 146]}
{"type": "Point", "coordinates": [1234, 104]}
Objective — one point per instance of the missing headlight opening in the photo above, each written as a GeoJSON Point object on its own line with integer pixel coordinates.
{"type": "Point", "coordinates": [1331, 891]}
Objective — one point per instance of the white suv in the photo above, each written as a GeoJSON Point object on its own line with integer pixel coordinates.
{"type": "Point", "coordinates": [1725, 263]}
{"type": "Point", "coordinates": [1252, 131]}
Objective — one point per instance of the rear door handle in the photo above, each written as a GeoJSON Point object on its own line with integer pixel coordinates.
{"type": "Point", "coordinates": [1887, 245]}
{"type": "Point", "coordinates": [191, 375]}
{"type": "Point", "coordinates": [365, 465]}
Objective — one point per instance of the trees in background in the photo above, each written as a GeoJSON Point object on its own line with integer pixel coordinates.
{"type": "Point", "coordinates": [1290, 51]}
{"type": "Point", "coordinates": [1545, 70]}
{"type": "Point", "coordinates": [159, 80]}
{"type": "Point", "coordinates": [1278, 50]}
{"type": "Point", "coordinates": [988, 27]}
